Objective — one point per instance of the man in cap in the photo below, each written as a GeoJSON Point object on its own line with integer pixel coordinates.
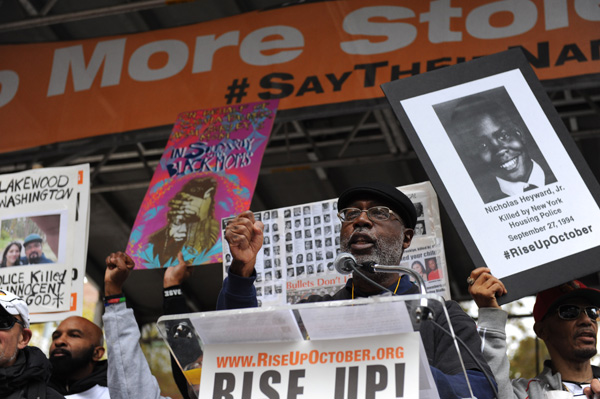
{"type": "Point", "coordinates": [565, 319]}
{"type": "Point", "coordinates": [24, 370]}
{"type": "Point", "coordinates": [377, 226]}
{"type": "Point", "coordinates": [33, 250]}
{"type": "Point", "coordinates": [75, 353]}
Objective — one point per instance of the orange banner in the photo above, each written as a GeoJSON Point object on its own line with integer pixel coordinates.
{"type": "Point", "coordinates": [313, 54]}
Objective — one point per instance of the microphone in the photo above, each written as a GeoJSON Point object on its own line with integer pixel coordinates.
{"type": "Point", "coordinates": [345, 263]}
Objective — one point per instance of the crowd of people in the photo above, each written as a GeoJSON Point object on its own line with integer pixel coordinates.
{"type": "Point", "coordinates": [378, 224]}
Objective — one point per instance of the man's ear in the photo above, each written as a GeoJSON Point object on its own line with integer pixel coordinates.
{"type": "Point", "coordinates": [24, 338]}
{"type": "Point", "coordinates": [98, 353]}
{"type": "Point", "coordinates": [408, 235]}
{"type": "Point", "coordinates": [540, 329]}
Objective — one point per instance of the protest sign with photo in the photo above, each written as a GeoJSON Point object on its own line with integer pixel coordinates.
{"type": "Point", "coordinates": [44, 220]}
{"type": "Point", "coordinates": [301, 242]}
{"type": "Point", "coordinates": [511, 177]}
{"type": "Point", "coordinates": [207, 172]}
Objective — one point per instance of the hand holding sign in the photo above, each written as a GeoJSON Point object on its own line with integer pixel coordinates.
{"type": "Point", "coordinates": [245, 237]}
{"type": "Point", "coordinates": [484, 288]}
{"type": "Point", "coordinates": [118, 267]}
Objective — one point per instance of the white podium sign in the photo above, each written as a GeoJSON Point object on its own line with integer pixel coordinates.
{"type": "Point", "coordinates": [361, 368]}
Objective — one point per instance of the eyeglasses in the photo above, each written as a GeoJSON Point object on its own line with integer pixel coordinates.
{"type": "Point", "coordinates": [7, 321]}
{"type": "Point", "coordinates": [572, 312]}
{"type": "Point", "coordinates": [375, 214]}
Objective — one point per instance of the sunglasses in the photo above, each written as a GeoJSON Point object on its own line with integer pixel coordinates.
{"type": "Point", "coordinates": [572, 312]}
{"type": "Point", "coordinates": [7, 321]}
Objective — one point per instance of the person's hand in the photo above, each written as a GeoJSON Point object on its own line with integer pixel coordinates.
{"type": "Point", "coordinates": [245, 237]}
{"type": "Point", "coordinates": [175, 275]}
{"type": "Point", "coordinates": [593, 391]}
{"type": "Point", "coordinates": [485, 288]}
{"type": "Point", "coordinates": [118, 267]}
{"type": "Point", "coordinates": [189, 206]}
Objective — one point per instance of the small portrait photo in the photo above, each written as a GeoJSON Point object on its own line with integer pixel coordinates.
{"type": "Point", "coordinates": [268, 276]}
{"type": "Point", "coordinates": [420, 228]}
{"type": "Point", "coordinates": [298, 234]}
{"type": "Point", "coordinates": [257, 216]}
{"type": "Point", "coordinates": [258, 277]}
{"type": "Point", "coordinates": [337, 228]}
{"type": "Point", "coordinates": [320, 268]}
{"type": "Point", "coordinates": [337, 240]}
{"type": "Point", "coordinates": [266, 216]}
{"type": "Point", "coordinates": [308, 245]}
{"type": "Point", "coordinates": [335, 205]}
{"type": "Point", "coordinates": [266, 240]}
{"type": "Point", "coordinates": [278, 288]}
{"type": "Point", "coordinates": [276, 250]}
{"type": "Point", "coordinates": [290, 272]}
{"type": "Point", "coordinates": [328, 242]}
{"type": "Point", "coordinates": [433, 273]}
{"type": "Point", "coordinates": [326, 218]}
{"type": "Point", "coordinates": [309, 257]}
{"type": "Point", "coordinates": [317, 220]}
{"type": "Point", "coordinates": [318, 231]}
{"type": "Point", "coordinates": [307, 221]}
{"type": "Point", "coordinates": [268, 264]}
{"type": "Point", "coordinates": [306, 210]}
{"type": "Point", "coordinates": [419, 209]}
{"type": "Point", "coordinates": [319, 255]}
{"type": "Point", "coordinates": [268, 290]}
{"type": "Point", "coordinates": [288, 236]}
{"type": "Point", "coordinates": [307, 233]}
{"type": "Point", "coordinates": [421, 270]}
{"type": "Point", "coordinates": [267, 228]}
{"type": "Point", "coordinates": [299, 258]}
{"type": "Point", "coordinates": [275, 237]}
{"type": "Point", "coordinates": [289, 260]}
{"type": "Point", "coordinates": [32, 240]}
{"type": "Point", "coordinates": [329, 254]}
{"type": "Point", "coordinates": [330, 266]}
{"type": "Point", "coordinates": [328, 230]}
{"type": "Point", "coordinates": [310, 269]}
{"type": "Point", "coordinates": [325, 206]}
{"type": "Point", "coordinates": [318, 243]}
{"type": "Point", "coordinates": [228, 258]}
{"type": "Point", "coordinates": [299, 270]}
{"type": "Point", "coordinates": [274, 214]}
{"type": "Point", "coordinates": [289, 247]}
{"type": "Point", "coordinates": [297, 223]}
{"type": "Point", "coordinates": [278, 274]}
{"type": "Point", "coordinates": [275, 227]}
{"type": "Point", "coordinates": [494, 144]}
{"type": "Point", "coordinates": [288, 224]}
{"type": "Point", "coordinates": [277, 262]}
{"type": "Point", "coordinates": [287, 213]}
{"type": "Point", "coordinates": [267, 251]}
{"type": "Point", "coordinates": [258, 291]}
{"type": "Point", "coordinates": [297, 211]}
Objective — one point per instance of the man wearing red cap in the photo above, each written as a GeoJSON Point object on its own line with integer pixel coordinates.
{"type": "Point", "coordinates": [565, 319]}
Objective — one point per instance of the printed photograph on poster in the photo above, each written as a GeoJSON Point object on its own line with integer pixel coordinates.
{"type": "Point", "coordinates": [43, 239]}
{"type": "Point", "coordinates": [301, 242]}
{"type": "Point", "coordinates": [207, 172]}
{"type": "Point", "coordinates": [32, 239]}
{"type": "Point", "coordinates": [507, 170]}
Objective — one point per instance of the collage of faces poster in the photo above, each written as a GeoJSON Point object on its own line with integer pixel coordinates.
{"type": "Point", "coordinates": [302, 241]}
{"type": "Point", "coordinates": [207, 172]}
{"type": "Point", "coordinates": [44, 220]}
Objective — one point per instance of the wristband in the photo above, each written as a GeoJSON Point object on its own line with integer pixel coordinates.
{"type": "Point", "coordinates": [112, 299]}
{"type": "Point", "coordinates": [172, 291]}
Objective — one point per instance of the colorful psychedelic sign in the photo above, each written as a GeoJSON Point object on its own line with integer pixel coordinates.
{"type": "Point", "coordinates": [207, 172]}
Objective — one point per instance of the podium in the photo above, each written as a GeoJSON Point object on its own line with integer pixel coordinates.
{"type": "Point", "coordinates": [352, 349]}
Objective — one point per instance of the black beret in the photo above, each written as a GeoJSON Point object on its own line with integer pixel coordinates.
{"type": "Point", "coordinates": [395, 199]}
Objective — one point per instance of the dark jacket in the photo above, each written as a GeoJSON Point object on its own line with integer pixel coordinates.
{"type": "Point", "coordinates": [28, 377]}
{"type": "Point", "coordinates": [66, 387]}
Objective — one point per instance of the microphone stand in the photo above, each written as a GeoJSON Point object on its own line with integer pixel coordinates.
{"type": "Point", "coordinates": [422, 312]}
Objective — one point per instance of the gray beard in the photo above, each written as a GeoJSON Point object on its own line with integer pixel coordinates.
{"type": "Point", "coordinates": [387, 251]}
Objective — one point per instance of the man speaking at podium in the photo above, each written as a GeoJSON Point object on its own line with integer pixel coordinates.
{"type": "Point", "coordinates": [377, 226]}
